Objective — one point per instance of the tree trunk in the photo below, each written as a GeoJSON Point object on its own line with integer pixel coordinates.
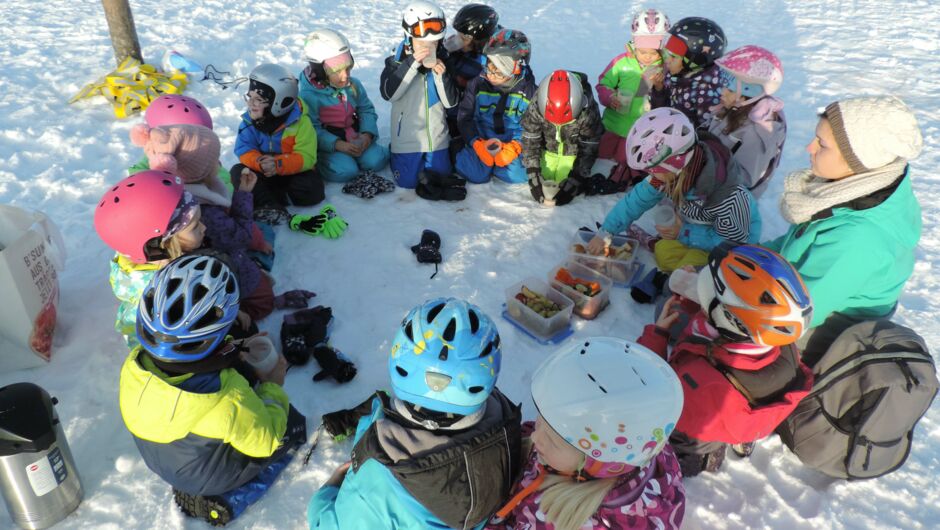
{"type": "Point", "coordinates": [121, 27]}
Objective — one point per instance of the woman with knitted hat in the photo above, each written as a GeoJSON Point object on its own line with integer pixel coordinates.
{"type": "Point", "coordinates": [855, 221]}
{"type": "Point", "coordinates": [599, 455]}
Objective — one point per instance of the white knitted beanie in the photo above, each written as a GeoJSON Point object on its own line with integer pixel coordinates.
{"type": "Point", "coordinates": [874, 131]}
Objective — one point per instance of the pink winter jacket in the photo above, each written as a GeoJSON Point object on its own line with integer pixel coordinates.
{"type": "Point", "coordinates": [655, 499]}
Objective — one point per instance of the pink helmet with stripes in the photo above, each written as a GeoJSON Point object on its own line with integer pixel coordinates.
{"type": "Point", "coordinates": [657, 135]}
{"type": "Point", "coordinates": [172, 109]}
{"type": "Point", "coordinates": [753, 65]}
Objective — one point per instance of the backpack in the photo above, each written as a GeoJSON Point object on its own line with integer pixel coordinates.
{"type": "Point", "coordinates": [872, 385]}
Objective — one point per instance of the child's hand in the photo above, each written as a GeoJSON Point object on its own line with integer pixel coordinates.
{"type": "Point", "coordinates": [657, 80]}
{"type": "Point", "coordinates": [248, 180]}
{"type": "Point", "coordinates": [338, 476]}
{"type": "Point", "coordinates": [670, 313]}
{"type": "Point", "coordinates": [365, 140]}
{"type": "Point", "coordinates": [670, 232]}
{"type": "Point", "coordinates": [597, 246]}
{"type": "Point", "coordinates": [420, 53]}
{"type": "Point", "coordinates": [439, 67]}
{"type": "Point", "coordinates": [614, 103]}
{"type": "Point", "coordinates": [349, 148]}
{"type": "Point", "coordinates": [244, 321]}
{"type": "Point", "coordinates": [268, 165]}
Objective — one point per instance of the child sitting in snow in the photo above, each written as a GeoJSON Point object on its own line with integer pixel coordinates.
{"type": "Point", "coordinates": [196, 421]}
{"type": "Point", "coordinates": [192, 152]}
{"type": "Point", "coordinates": [277, 141]}
{"type": "Point", "coordinates": [490, 115]}
{"type": "Point", "coordinates": [749, 119]}
{"type": "Point", "coordinates": [473, 26]}
{"type": "Point", "coordinates": [417, 83]}
{"type": "Point", "coordinates": [147, 219]}
{"type": "Point", "coordinates": [560, 137]}
{"type": "Point", "coordinates": [624, 86]}
{"type": "Point", "coordinates": [693, 84]}
{"type": "Point", "coordinates": [442, 450]}
{"type": "Point", "coordinates": [739, 370]}
{"type": "Point", "coordinates": [599, 455]}
{"type": "Point", "coordinates": [340, 109]}
{"type": "Point", "coordinates": [702, 181]}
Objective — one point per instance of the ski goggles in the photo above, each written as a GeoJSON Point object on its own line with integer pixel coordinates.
{"type": "Point", "coordinates": [424, 28]}
{"type": "Point", "coordinates": [731, 82]}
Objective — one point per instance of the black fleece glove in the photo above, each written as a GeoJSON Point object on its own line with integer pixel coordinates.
{"type": "Point", "coordinates": [333, 365]}
{"type": "Point", "coordinates": [569, 189]}
{"type": "Point", "coordinates": [535, 187]}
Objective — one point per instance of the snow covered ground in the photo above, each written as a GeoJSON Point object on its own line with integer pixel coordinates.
{"type": "Point", "coordinates": [60, 159]}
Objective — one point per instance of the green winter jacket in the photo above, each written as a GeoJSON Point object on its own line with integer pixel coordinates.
{"type": "Point", "coordinates": [624, 75]}
{"type": "Point", "coordinates": [857, 260]}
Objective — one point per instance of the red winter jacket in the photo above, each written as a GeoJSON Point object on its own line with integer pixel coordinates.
{"type": "Point", "coordinates": [714, 410]}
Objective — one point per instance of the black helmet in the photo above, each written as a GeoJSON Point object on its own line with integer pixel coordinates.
{"type": "Point", "coordinates": [476, 20]}
{"type": "Point", "coordinates": [701, 41]}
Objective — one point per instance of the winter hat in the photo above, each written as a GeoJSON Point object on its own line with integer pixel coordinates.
{"type": "Point", "coordinates": [504, 63]}
{"type": "Point", "coordinates": [190, 151]}
{"type": "Point", "coordinates": [873, 132]}
{"type": "Point", "coordinates": [182, 215]}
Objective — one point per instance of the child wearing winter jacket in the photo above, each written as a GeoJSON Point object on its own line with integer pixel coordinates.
{"type": "Point", "coordinates": [693, 84]}
{"type": "Point", "coordinates": [420, 89]}
{"type": "Point", "coordinates": [599, 455]}
{"type": "Point", "coordinates": [442, 450]}
{"type": "Point", "coordinates": [473, 26]}
{"type": "Point", "coordinates": [490, 115]}
{"type": "Point", "coordinates": [147, 219]}
{"type": "Point", "coordinates": [278, 142]}
{"type": "Point", "coordinates": [740, 371]}
{"type": "Point", "coordinates": [749, 121]}
{"type": "Point", "coordinates": [192, 152]}
{"type": "Point", "coordinates": [197, 422]}
{"type": "Point", "coordinates": [704, 185]}
{"type": "Point", "coordinates": [560, 137]}
{"type": "Point", "coordinates": [624, 86]}
{"type": "Point", "coordinates": [340, 109]}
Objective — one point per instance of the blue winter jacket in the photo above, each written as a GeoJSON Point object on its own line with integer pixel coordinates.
{"type": "Point", "coordinates": [371, 497]}
{"type": "Point", "coordinates": [487, 112]}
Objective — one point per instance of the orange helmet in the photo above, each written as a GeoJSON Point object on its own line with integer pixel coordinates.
{"type": "Point", "coordinates": [760, 297]}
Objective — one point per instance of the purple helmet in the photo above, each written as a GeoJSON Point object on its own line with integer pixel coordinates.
{"type": "Point", "coordinates": [658, 135]}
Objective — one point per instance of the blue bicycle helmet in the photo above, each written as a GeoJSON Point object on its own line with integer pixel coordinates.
{"type": "Point", "coordinates": [446, 357]}
{"type": "Point", "coordinates": [187, 309]}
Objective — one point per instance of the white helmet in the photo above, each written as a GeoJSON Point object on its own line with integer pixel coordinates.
{"type": "Point", "coordinates": [423, 20]}
{"type": "Point", "coordinates": [323, 44]}
{"type": "Point", "coordinates": [275, 84]}
{"type": "Point", "coordinates": [649, 27]}
{"type": "Point", "coordinates": [614, 400]}
{"type": "Point", "coordinates": [658, 135]}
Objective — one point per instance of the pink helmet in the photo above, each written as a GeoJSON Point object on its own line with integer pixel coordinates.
{"type": "Point", "coordinates": [754, 65]}
{"type": "Point", "coordinates": [657, 135]}
{"type": "Point", "coordinates": [136, 210]}
{"type": "Point", "coordinates": [649, 27]}
{"type": "Point", "coordinates": [172, 109]}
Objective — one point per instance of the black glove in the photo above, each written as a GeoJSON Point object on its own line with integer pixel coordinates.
{"type": "Point", "coordinates": [342, 423]}
{"type": "Point", "coordinates": [535, 187]}
{"type": "Point", "coordinates": [296, 434]}
{"type": "Point", "coordinates": [333, 365]}
{"type": "Point", "coordinates": [569, 188]}
{"type": "Point", "coordinates": [294, 343]}
{"type": "Point", "coordinates": [293, 299]}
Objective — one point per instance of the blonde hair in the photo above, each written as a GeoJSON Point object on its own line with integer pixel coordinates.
{"type": "Point", "coordinates": [173, 248]}
{"type": "Point", "coordinates": [568, 504]}
{"type": "Point", "coordinates": [674, 184]}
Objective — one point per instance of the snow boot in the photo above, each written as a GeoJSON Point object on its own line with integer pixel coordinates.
{"type": "Point", "coordinates": [213, 509]}
{"type": "Point", "coordinates": [651, 286]}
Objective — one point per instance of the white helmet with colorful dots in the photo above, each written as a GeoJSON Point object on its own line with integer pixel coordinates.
{"type": "Point", "coordinates": [614, 400]}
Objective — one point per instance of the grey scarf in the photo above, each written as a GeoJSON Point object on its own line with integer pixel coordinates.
{"type": "Point", "coordinates": [805, 194]}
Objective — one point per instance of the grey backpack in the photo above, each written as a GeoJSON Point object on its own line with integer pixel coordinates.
{"type": "Point", "coordinates": [871, 387]}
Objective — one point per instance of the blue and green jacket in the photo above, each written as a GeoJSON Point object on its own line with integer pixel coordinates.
{"type": "Point", "coordinates": [494, 112]}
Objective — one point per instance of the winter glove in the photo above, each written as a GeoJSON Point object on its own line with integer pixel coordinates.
{"type": "Point", "coordinates": [294, 344]}
{"type": "Point", "coordinates": [429, 249]}
{"type": "Point", "coordinates": [296, 434]}
{"type": "Point", "coordinates": [510, 151]}
{"type": "Point", "coordinates": [342, 423]}
{"type": "Point", "coordinates": [334, 226]}
{"type": "Point", "coordinates": [367, 185]}
{"type": "Point", "coordinates": [302, 330]}
{"type": "Point", "coordinates": [569, 188]}
{"type": "Point", "coordinates": [535, 187]}
{"type": "Point", "coordinates": [315, 316]}
{"type": "Point", "coordinates": [479, 147]}
{"type": "Point", "coordinates": [309, 224]}
{"type": "Point", "coordinates": [333, 365]}
{"type": "Point", "coordinates": [293, 299]}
